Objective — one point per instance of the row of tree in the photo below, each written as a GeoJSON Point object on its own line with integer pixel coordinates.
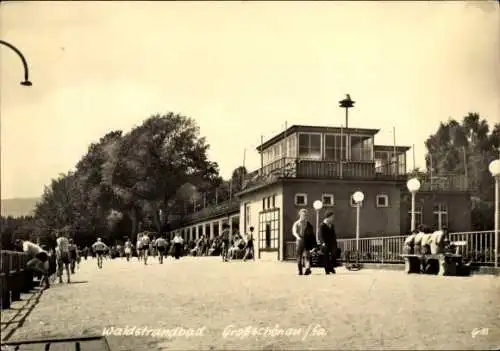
{"type": "Point", "coordinates": [134, 181]}
{"type": "Point", "coordinates": [159, 171]}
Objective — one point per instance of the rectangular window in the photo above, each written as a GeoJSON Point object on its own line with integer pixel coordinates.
{"type": "Point", "coordinates": [382, 201]}
{"type": "Point", "coordinates": [216, 228]}
{"type": "Point", "coordinates": [419, 215]}
{"type": "Point", "coordinates": [263, 203]}
{"type": "Point", "coordinates": [269, 202]}
{"type": "Point", "coordinates": [328, 200]}
{"type": "Point", "coordinates": [274, 201]}
{"type": "Point", "coordinates": [300, 199]}
{"type": "Point", "coordinates": [440, 216]}
{"type": "Point", "coordinates": [402, 164]}
{"type": "Point", "coordinates": [361, 147]}
{"type": "Point", "coordinates": [335, 147]}
{"type": "Point", "coordinates": [269, 230]}
{"type": "Point", "coordinates": [310, 146]}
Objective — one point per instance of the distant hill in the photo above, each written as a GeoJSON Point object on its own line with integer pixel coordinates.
{"type": "Point", "coordinates": [19, 207]}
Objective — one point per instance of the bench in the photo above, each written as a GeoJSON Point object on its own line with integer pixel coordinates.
{"type": "Point", "coordinates": [447, 263]}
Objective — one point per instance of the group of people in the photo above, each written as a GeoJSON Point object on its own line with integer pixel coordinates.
{"type": "Point", "coordinates": [229, 247]}
{"type": "Point", "coordinates": [307, 243]}
{"type": "Point", "coordinates": [64, 257]}
{"type": "Point", "coordinates": [425, 241]}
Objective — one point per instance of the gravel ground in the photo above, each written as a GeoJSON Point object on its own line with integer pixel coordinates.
{"type": "Point", "coordinates": [368, 309]}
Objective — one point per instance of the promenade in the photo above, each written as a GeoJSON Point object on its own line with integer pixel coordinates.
{"type": "Point", "coordinates": [212, 302]}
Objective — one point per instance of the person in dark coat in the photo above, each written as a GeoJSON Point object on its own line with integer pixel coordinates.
{"type": "Point", "coordinates": [306, 241]}
{"type": "Point", "coordinates": [328, 240]}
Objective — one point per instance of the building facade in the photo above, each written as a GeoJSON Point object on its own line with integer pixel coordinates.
{"type": "Point", "coordinates": [307, 163]}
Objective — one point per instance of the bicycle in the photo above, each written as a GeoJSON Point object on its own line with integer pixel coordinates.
{"type": "Point", "coordinates": [353, 266]}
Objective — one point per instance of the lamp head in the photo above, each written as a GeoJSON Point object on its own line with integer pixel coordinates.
{"type": "Point", "coordinates": [358, 197]}
{"type": "Point", "coordinates": [317, 205]}
{"type": "Point", "coordinates": [494, 168]}
{"type": "Point", "coordinates": [27, 83]}
{"type": "Point", "coordinates": [413, 185]}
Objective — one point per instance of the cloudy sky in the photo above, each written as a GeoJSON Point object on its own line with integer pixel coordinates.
{"type": "Point", "coordinates": [241, 69]}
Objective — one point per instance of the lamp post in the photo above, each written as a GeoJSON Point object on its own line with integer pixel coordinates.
{"type": "Point", "coordinates": [347, 103]}
{"type": "Point", "coordinates": [495, 172]}
{"type": "Point", "coordinates": [358, 198]}
{"type": "Point", "coordinates": [413, 186]}
{"type": "Point", "coordinates": [26, 81]}
{"type": "Point", "coordinates": [317, 205]}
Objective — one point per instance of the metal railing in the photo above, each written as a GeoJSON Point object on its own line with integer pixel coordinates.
{"type": "Point", "coordinates": [479, 248]}
{"type": "Point", "coordinates": [289, 167]}
{"type": "Point", "coordinates": [220, 209]}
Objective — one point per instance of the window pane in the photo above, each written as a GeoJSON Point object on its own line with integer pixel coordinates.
{"type": "Point", "coordinates": [329, 141]}
{"type": "Point", "coordinates": [315, 140]}
{"type": "Point", "coordinates": [331, 154]}
{"type": "Point", "coordinates": [356, 148]}
{"type": "Point", "coordinates": [304, 140]}
{"type": "Point", "coordinates": [402, 163]}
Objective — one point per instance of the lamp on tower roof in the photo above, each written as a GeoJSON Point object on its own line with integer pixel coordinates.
{"type": "Point", "coordinates": [347, 103]}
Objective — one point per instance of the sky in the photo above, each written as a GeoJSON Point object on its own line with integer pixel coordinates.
{"type": "Point", "coordinates": [240, 69]}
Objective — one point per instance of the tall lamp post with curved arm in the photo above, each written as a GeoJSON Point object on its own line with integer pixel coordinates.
{"type": "Point", "coordinates": [494, 169]}
{"type": "Point", "coordinates": [26, 82]}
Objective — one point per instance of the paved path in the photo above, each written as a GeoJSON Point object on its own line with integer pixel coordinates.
{"type": "Point", "coordinates": [368, 309]}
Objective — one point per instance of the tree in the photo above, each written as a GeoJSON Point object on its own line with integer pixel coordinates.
{"type": "Point", "coordinates": [467, 148]}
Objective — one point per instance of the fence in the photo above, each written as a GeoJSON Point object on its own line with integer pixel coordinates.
{"type": "Point", "coordinates": [15, 278]}
{"type": "Point", "coordinates": [479, 248]}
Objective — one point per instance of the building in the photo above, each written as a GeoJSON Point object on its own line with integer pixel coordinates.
{"type": "Point", "coordinates": [308, 163]}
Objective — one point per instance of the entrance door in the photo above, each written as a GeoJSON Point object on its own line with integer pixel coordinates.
{"type": "Point", "coordinates": [269, 234]}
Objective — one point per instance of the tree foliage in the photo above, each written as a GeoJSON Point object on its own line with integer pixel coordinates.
{"type": "Point", "coordinates": [128, 182]}
{"type": "Point", "coordinates": [467, 148]}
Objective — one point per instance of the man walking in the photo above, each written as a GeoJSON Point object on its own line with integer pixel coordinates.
{"type": "Point", "coordinates": [249, 251]}
{"type": "Point", "coordinates": [63, 257]}
{"type": "Point", "coordinates": [128, 249]}
{"type": "Point", "coordinates": [73, 255]}
{"type": "Point", "coordinates": [225, 242]}
{"type": "Point", "coordinates": [161, 246]}
{"type": "Point", "coordinates": [328, 240]}
{"type": "Point", "coordinates": [303, 232]}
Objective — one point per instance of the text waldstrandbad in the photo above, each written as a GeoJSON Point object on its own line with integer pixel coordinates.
{"type": "Point", "coordinates": [154, 332]}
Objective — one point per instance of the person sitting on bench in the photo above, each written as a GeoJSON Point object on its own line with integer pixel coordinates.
{"type": "Point", "coordinates": [417, 242]}
{"type": "Point", "coordinates": [439, 241]}
{"type": "Point", "coordinates": [409, 244]}
{"type": "Point", "coordinates": [39, 261]}
{"type": "Point", "coordinates": [426, 241]}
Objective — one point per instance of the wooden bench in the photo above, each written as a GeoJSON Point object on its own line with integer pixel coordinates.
{"type": "Point", "coordinates": [447, 263]}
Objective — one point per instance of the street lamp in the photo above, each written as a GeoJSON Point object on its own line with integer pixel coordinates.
{"type": "Point", "coordinates": [317, 205]}
{"type": "Point", "coordinates": [26, 81]}
{"type": "Point", "coordinates": [347, 103]}
{"type": "Point", "coordinates": [495, 172]}
{"type": "Point", "coordinates": [358, 198]}
{"type": "Point", "coordinates": [413, 186]}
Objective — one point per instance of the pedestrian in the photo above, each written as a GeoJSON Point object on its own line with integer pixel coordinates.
{"type": "Point", "coordinates": [249, 249]}
{"type": "Point", "coordinates": [63, 257]}
{"type": "Point", "coordinates": [303, 232]}
{"type": "Point", "coordinates": [161, 246]}
{"type": "Point", "coordinates": [178, 244]}
{"type": "Point", "coordinates": [99, 248]}
{"type": "Point", "coordinates": [225, 242]}
{"type": "Point", "coordinates": [328, 240]}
